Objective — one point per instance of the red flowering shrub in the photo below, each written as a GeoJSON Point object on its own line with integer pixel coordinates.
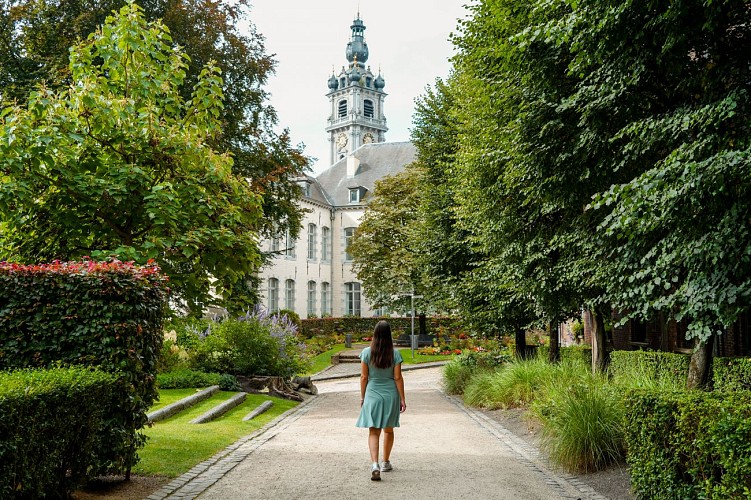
{"type": "Point", "coordinates": [106, 314]}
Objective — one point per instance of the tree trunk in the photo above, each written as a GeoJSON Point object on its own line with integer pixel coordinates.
{"type": "Point", "coordinates": [599, 352]}
{"type": "Point", "coordinates": [521, 344]}
{"type": "Point", "coordinates": [554, 353]}
{"type": "Point", "coordinates": [701, 361]}
{"type": "Point", "coordinates": [421, 323]}
{"type": "Point", "coordinates": [664, 334]}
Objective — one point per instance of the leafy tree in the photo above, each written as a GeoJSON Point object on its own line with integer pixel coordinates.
{"type": "Point", "coordinates": [120, 163]}
{"type": "Point", "coordinates": [384, 245]}
{"type": "Point", "coordinates": [36, 36]}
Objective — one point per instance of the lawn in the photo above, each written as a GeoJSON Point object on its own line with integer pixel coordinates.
{"type": "Point", "coordinates": [175, 446]}
{"type": "Point", "coordinates": [324, 359]}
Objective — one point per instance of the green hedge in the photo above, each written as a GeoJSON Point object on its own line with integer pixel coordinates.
{"type": "Point", "coordinates": [731, 374]}
{"type": "Point", "coordinates": [50, 421]}
{"type": "Point", "coordinates": [572, 352]}
{"type": "Point", "coordinates": [314, 327]}
{"type": "Point", "coordinates": [660, 365]}
{"type": "Point", "coordinates": [106, 314]}
{"type": "Point", "coordinates": [689, 444]}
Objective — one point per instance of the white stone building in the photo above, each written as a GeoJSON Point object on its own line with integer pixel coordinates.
{"type": "Point", "coordinates": [313, 275]}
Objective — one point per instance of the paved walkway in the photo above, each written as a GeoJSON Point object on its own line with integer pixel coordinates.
{"type": "Point", "coordinates": [443, 450]}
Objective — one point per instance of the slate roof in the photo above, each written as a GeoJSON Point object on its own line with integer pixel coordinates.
{"type": "Point", "coordinates": [376, 161]}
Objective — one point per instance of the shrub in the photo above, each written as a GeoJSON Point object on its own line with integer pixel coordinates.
{"type": "Point", "coordinates": [649, 369]}
{"type": "Point", "coordinates": [689, 444]}
{"type": "Point", "coordinates": [255, 344]}
{"type": "Point", "coordinates": [106, 314]}
{"type": "Point", "coordinates": [359, 327]}
{"type": "Point", "coordinates": [458, 372]}
{"type": "Point", "coordinates": [186, 379]}
{"type": "Point", "coordinates": [582, 422]}
{"type": "Point", "coordinates": [731, 374]}
{"type": "Point", "coordinates": [291, 315]}
{"type": "Point", "coordinates": [50, 422]}
{"type": "Point", "coordinates": [512, 385]}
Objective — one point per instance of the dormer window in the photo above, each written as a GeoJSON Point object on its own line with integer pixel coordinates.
{"type": "Point", "coordinates": [368, 82]}
{"type": "Point", "coordinates": [356, 194]}
{"type": "Point", "coordinates": [305, 188]}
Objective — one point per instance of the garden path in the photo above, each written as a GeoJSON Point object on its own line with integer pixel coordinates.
{"type": "Point", "coordinates": [442, 450]}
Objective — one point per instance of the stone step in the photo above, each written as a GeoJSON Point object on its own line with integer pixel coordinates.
{"type": "Point", "coordinates": [220, 409]}
{"type": "Point", "coordinates": [182, 404]}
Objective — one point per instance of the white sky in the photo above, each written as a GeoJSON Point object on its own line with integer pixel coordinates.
{"type": "Point", "coordinates": [407, 39]}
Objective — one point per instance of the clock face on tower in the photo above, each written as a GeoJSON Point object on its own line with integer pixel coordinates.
{"type": "Point", "coordinates": [341, 141]}
{"type": "Point", "coordinates": [367, 138]}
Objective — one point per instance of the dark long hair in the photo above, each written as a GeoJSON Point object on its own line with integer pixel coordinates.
{"type": "Point", "coordinates": [382, 346]}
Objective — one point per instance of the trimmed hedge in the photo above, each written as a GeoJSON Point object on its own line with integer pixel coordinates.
{"type": "Point", "coordinates": [572, 352]}
{"type": "Point", "coordinates": [689, 444]}
{"type": "Point", "coordinates": [731, 374]}
{"type": "Point", "coordinates": [105, 314]}
{"type": "Point", "coordinates": [662, 365]}
{"type": "Point", "coordinates": [314, 327]}
{"type": "Point", "coordinates": [50, 421]}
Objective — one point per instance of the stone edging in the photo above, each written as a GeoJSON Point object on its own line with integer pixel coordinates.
{"type": "Point", "coordinates": [528, 455]}
{"type": "Point", "coordinates": [185, 402]}
{"type": "Point", "coordinates": [202, 476]}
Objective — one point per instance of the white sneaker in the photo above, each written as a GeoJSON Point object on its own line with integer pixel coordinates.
{"type": "Point", "coordinates": [386, 466]}
{"type": "Point", "coordinates": [375, 472]}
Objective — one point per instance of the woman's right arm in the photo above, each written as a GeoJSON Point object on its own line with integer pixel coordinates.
{"type": "Point", "coordinates": [363, 381]}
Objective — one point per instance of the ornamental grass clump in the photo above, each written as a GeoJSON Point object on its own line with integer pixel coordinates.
{"type": "Point", "coordinates": [582, 423]}
{"type": "Point", "coordinates": [513, 385]}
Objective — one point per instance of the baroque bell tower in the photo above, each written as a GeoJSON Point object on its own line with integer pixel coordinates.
{"type": "Point", "coordinates": [356, 98]}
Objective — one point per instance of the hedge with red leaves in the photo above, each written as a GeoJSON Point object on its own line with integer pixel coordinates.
{"type": "Point", "coordinates": [105, 314]}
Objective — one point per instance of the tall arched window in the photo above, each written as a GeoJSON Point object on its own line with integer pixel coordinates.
{"type": "Point", "coordinates": [311, 298]}
{"type": "Point", "coordinates": [273, 295]}
{"type": "Point", "coordinates": [312, 230]}
{"type": "Point", "coordinates": [342, 109]}
{"type": "Point", "coordinates": [325, 299]}
{"type": "Point", "coordinates": [325, 242]}
{"type": "Point", "coordinates": [352, 299]}
{"type": "Point", "coordinates": [289, 295]}
{"type": "Point", "coordinates": [349, 233]}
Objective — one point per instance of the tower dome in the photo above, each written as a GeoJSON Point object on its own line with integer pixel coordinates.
{"type": "Point", "coordinates": [333, 82]}
{"type": "Point", "coordinates": [379, 82]}
{"type": "Point", "coordinates": [357, 49]}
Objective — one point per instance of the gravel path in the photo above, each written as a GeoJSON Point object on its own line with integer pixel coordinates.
{"type": "Point", "coordinates": [442, 450]}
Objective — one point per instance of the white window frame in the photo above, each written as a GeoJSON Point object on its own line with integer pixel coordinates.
{"type": "Point", "coordinates": [349, 233]}
{"type": "Point", "coordinates": [312, 231]}
{"type": "Point", "coordinates": [272, 295]}
{"type": "Point", "coordinates": [325, 242]}
{"type": "Point", "coordinates": [312, 298]}
{"type": "Point", "coordinates": [325, 298]}
{"type": "Point", "coordinates": [289, 295]}
{"type": "Point", "coordinates": [352, 299]}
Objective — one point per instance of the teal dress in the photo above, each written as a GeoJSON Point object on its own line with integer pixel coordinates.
{"type": "Point", "coordinates": [380, 408]}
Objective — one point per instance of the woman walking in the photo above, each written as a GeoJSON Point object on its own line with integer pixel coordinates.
{"type": "Point", "coordinates": [381, 395]}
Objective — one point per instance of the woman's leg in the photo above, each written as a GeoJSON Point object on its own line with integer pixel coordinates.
{"type": "Point", "coordinates": [388, 442]}
{"type": "Point", "coordinates": [373, 437]}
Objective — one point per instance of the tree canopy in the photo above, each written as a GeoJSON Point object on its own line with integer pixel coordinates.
{"type": "Point", "coordinates": [120, 163]}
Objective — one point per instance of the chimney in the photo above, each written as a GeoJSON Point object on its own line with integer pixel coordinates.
{"type": "Point", "coordinates": [353, 166]}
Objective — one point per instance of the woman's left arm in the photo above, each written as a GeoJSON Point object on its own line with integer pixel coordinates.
{"type": "Point", "coordinates": [399, 380]}
{"type": "Point", "coordinates": [363, 381]}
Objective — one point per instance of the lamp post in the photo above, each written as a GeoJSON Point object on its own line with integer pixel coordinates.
{"type": "Point", "coordinates": [413, 338]}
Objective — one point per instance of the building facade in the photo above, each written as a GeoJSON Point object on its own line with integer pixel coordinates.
{"type": "Point", "coordinates": [313, 274]}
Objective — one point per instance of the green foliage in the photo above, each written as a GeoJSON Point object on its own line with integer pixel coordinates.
{"type": "Point", "coordinates": [104, 314]}
{"type": "Point", "coordinates": [185, 378]}
{"type": "Point", "coordinates": [37, 36]}
{"type": "Point", "coordinates": [383, 248]}
{"type": "Point", "coordinates": [582, 423]}
{"type": "Point", "coordinates": [256, 344]}
{"type": "Point", "coordinates": [119, 163]}
{"type": "Point", "coordinates": [649, 369]}
{"type": "Point", "coordinates": [458, 372]}
{"type": "Point", "coordinates": [291, 315]}
{"type": "Point", "coordinates": [515, 384]}
{"type": "Point", "coordinates": [731, 374]}
{"type": "Point", "coordinates": [689, 444]}
{"type": "Point", "coordinates": [51, 423]}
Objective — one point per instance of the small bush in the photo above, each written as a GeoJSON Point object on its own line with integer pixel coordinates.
{"type": "Point", "coordinates": [689, 444]}
{"type": "Point", "coordinates": [255, 344]}
{"type": "Point", "coordinates": [512, 385]}
{"type": "Point", "coordinates": [50, 424]}
{"type": "Point", "coordinates": [582, 423]}
{"type": "Point", "coordinates": [459, 371]}
{"type": "Point", "coordinates": [186, 379]}
{"type": "Point", "coordinates": [731, 374]}
{"type": "Point", "coordinates": [649, 368]}
{"type": "Point", "coordinates": [291, 316]}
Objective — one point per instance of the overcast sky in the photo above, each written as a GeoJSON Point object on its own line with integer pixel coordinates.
{"type": "Point", "coordinates": [407, 39]}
